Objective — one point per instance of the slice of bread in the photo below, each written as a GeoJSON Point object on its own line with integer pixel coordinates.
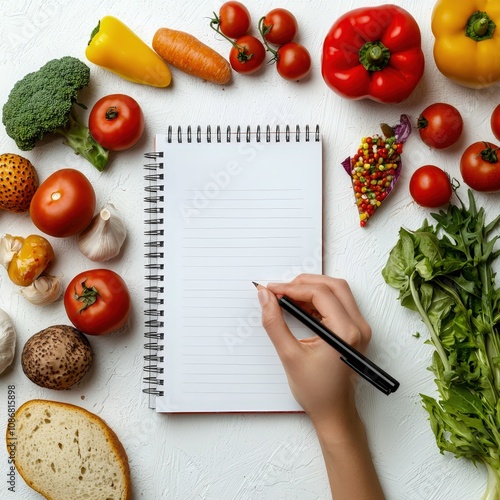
{"type": "Point", "coordinates": [65, 452]}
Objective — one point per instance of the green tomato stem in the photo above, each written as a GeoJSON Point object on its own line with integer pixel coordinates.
{"type": "Point", "coordinates": [243, 55]}
{"type": "Point", "coordinates": [263, 30]}
{"type": "Point", "coordinates": [88, 296]}
{"type": "Point", "coordinates": [489, 154]}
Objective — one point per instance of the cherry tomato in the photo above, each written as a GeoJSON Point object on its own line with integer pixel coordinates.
{"type": "Point", "coordinates": [279, 26]}
{"type": "Point", "coordinates": [480, 167]}
{"type": "Point", "coordinates": [64, 203]}
{"type": "Point", "coordinates": [247, 55]}
{"type": "Point", "coordinates": [116, 122]}
{"type": "Point", "coordinates": [430, 186]}
{"type": "Point", "coordinates": [98, 302]}
{"type": "Point", "coordinates": [495, 122]}
{"type": "Point", "coordinates": [234, 19]}
{"type": "Point", "coordinates": [294, 61]}
{"type": "Point", "coordinates": [440, 125]}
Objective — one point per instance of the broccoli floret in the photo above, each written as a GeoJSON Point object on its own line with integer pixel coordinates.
{"type": "Point", "coordinates": [43, 103]}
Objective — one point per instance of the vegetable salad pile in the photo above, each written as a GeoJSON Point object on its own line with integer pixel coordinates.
{"type": "Point", "coordinates": [443, 272]}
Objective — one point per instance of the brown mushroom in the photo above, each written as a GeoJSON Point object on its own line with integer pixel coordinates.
{"type": "Point", "coordinates": [57, 357]}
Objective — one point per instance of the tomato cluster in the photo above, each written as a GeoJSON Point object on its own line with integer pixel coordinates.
{"type": "Point", "coordinates": [440, 126]}
{"type": "Point", "coordinates": [247, 54]}
{"type": "Point", "coordinates": [278, 27]}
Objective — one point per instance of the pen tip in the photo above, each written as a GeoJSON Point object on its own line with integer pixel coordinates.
{"type": "Point", "coordinates": [255, 284]}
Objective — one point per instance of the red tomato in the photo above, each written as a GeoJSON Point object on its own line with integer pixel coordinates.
{"type": "Point", "coordinates": [64, 203]}
{"type": "Point", "coordinates": [116, 122]}
{"type": "Point", "coordinates": [495, 122]}
{"type": "Point", "coordinates": [279, 26]}
{"type": "Point", "coordinates": [430, 186]}
{"type": "Point", "coordinates": [294, 61]}
{"type": "Point", "coordinates": [97, 302]}
{"type": "Point", "coordinates": [440, 125]}
{"type": "Point", "coordinates": [234, 19]}
{"type": "Point", "coordinates": [480, 168]}
{"type": "Point", "coordinates": [247, 55]}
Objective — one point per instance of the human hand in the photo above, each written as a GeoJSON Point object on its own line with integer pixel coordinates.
{"type": "Point", "coordinates": [320, 381]}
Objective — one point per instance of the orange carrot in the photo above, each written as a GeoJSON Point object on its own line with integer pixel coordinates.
{"type": "Point", "coordinates": [188, 54]}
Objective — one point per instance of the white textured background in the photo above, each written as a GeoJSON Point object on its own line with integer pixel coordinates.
{"type": "Point", "coordinates": [225, 457]}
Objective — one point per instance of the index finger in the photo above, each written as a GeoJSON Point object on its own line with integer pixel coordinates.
{"type": "Point", "coordinates": [284, 341]}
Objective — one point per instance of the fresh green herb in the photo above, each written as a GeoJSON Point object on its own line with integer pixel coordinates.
{"type": "Point", "coordinates": [416, 335]}
{"type": "Point", "coordinates": [445, 273]}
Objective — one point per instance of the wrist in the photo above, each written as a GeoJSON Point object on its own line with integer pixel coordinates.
{"type": "Point", "coordinates": [336, 428]}
{"type": "Point", "coordinates": [348, 460]}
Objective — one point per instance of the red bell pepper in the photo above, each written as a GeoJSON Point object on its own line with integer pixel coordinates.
{"type": "Point", "coordinates": [374, 53]}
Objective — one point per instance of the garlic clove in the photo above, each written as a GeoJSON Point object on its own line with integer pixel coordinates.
{"type": "Point", "coordinates": [7, 341]}
{"type": "Point", "coordinates": [44, 290]}
{"type": "Point", "coordinates": [9, 246]}
{"type": "Point", "coordinates": [103, 238]}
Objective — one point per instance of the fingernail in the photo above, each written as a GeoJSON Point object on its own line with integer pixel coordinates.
{"type": "Point", "coordinates": [263, 295]}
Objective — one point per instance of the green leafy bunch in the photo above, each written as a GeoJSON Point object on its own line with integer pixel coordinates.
{"type": "Point", "coordinates": [445, 273]}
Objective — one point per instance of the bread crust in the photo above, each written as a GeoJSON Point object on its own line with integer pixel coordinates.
{"type": "Point", "coordinates": [114, 443]}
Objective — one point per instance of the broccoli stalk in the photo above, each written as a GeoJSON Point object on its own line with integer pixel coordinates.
{"type": "Point", "coordinates": [79, 138]}
{"type": "Point", "coordinates": [42, 103]}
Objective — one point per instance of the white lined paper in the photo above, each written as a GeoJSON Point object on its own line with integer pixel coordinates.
{"type": "Point", "coordinates": [233, 213]}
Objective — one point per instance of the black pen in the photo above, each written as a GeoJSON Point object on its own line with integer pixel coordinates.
{"type": "Point", "coordinates": [349, 355]}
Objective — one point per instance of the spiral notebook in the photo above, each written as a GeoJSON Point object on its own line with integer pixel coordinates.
{"type": "Point", "coordinates": [225, 208]}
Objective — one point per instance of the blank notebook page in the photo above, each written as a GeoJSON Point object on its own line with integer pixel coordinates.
{"type": "Point", "coordinates": [234, 212]}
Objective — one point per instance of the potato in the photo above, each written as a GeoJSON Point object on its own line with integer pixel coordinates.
{"type": "Point", "coordinates": [57, 357]}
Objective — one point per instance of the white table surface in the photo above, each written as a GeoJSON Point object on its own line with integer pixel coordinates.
{"type": "Point", "coordinates": [226, 457]}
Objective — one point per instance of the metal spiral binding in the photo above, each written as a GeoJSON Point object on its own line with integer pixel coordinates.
{"type": "Point", "coordinates": [153, 246]}
{"type": "Point", "coordinates": [239, 135]}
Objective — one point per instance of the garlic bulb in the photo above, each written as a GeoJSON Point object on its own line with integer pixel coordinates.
{"type": "Point", "coordinates": [7, 341]}
{"type": "Point", "coordinates": [44, 290]}
{"type": "Point", "coordinates": [9, 246]}
{"type": "Point", "coordinates": [104, 237]}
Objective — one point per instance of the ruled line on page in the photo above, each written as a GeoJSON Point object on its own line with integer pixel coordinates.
{"type": "Point", "coordinates": [232, 237]}
{"type": "Point", "coordinates": [274, 228]}
{"type": "Point", "coordinates": [242, 373]}
{"type": "Point", "coordinates": [229, 266]}
{"type": "Point", "coordinates": [249, 190]}
{"type": "Point", "coordinates": [273, 199]}
{"type": "Point", "coordinates": [250, 217]}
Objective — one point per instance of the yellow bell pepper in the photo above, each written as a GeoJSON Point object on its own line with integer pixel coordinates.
{"type": "Point", "coordinates": [114, 46]}
{"type": "Point", "coordinates": [467, 41]}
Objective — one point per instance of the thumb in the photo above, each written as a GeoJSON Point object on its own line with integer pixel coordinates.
{"type": "Point", "coordinates": [273, 322]}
